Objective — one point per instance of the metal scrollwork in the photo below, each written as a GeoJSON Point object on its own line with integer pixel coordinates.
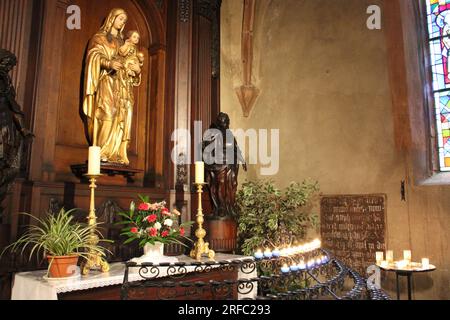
{"type": "Point", "coordinates": [324, 279]}
{"type": "Point", "coordinates": [150, 272]}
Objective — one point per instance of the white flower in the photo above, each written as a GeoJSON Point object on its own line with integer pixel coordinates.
{"type": "Point", "coordinates": [168, 222]}
{"type": "Point", "coordinates": [157, 226]}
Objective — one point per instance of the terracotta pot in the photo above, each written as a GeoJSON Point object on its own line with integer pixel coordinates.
{"type": "Point", "coordinates": [62, 267]}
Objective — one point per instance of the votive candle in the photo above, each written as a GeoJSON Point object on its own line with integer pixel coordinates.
{"type": "Point", "coordinates": [379, 256]}
{"type": "Point", "coordinates": [302, 265]}
{"type": "Point", "coordinates": [276, 253]}
{"type": "Point", "coordinates": [407, 255]}
{"type": "Point", "coordinates": [259, 254]}
{"type": "Point", "coordinates": [268, 253]}
{"type": "Point", "coordinates": [425, 263]}
{"type": "Point", "coordinates": [285, 268]}
{"type": "Point", "coordinates": [390, 256]}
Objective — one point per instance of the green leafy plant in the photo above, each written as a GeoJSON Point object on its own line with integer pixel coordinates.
{"type": "Point", "coordinates": [268, 216]}
{"type": "Point", "coordinates": [151, 223]}
{"type": "Point", "coordinates": [58, 235]}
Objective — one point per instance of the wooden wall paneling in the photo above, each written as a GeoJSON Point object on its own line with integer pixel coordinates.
{"type": "Point", "coordinates": [156, 160]}
{"type": "Point", "coordinates": [15, 33]}
{"type": "Point", "coordinates": [181, 87]}
{"type": "Point", "coordinates": [47, 95]}
{"type": "Point", "coordinates": [170, 88]}
{"type": "Point", "coordinates": [205, 74]}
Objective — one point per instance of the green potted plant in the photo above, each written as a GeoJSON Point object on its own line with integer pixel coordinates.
{"type": "Point", "coordinates": [61, 240]}
{"type": "Point", "coordinates": [268, 216]}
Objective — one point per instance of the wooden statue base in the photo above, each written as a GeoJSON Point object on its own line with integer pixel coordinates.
{"type": "Point", "coordinates": [109, 169]}
{"type": "Point", "coordinates": [222, 234]}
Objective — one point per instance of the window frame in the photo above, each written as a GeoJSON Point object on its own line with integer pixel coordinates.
{"type": "Point", "coordinates": [435, 175]}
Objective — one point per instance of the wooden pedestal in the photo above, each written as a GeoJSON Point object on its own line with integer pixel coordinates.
{"type": "Point", "coordinates": [222, 234]}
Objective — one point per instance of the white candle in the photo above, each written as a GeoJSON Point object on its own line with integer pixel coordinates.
{"type": "Point", "coordinates": [390, 256]}
{"type": "Point", "coordinates": [407, 255]}
{"type": "Point", "coordinates": [94, 161]}
{"type": "Point", "coordinates": [199, 172]}
{"type": "Point", "coordinates": [379, 256]}
{"type": "Point", "coordinates": [425, 263]}
{"type": "Point", "coordinates": [402, 264]}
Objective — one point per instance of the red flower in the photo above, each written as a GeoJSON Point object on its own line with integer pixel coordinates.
{"type": "Point", "coordinates": [153, 232]}
{"type": "Point", "coordinates": [152, 218]}
{"type": "Point", "coordinates": [182, 231]}
{"type": "Point", "coordinates": [144, 206]}
{"type": "Point", "coordinates": [165, 233]}
{"type": "Point", "coordinates": [134, 230]}
{"type": "Point", "coordinates": [165, 212]}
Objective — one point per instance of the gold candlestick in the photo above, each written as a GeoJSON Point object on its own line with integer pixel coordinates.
{"type": "Point", "coordinates": [201, 247]}
{"type": "Point", "coordinates": [95, 260]}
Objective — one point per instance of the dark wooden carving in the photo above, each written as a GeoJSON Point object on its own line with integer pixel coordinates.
{"type": "Point", "coordinates": [222, 166]}
{"type": "Point", "coordinates": [55, 206]}
{"type": "Point", "coordinates": [185, 10]}
{"type": "Point", "coordinates": [222, 169]}
{"type": "Point", "coordinates": [353, 228]}
{"type": "Point", "coordinates": [12, 132]}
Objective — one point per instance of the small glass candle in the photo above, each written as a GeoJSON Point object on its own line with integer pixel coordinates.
{"type": "Point", "coordinates": [425, 263]}
{"type": "Point", "coordinates": [402, 264]}
{"type": "Point", "coordinates": [407, 255]}
{"type": "Point", "coordinates": [318, 261]}
{"type": "Point", "coordinates": [294, 268]}
{"type": "Point", "coordinates": [285, 268]}
{"type": "Point", "coordinates": [324, 259]}
{"type": "Point", "coordinates": [302, 265]}
{"type": "Point", "coordinates": [379, 256]}
{"type": "Point", "coordinates": [259, 254]}
{"type": "Point", "coordinates": [268, 253]}
{"type": "Point", "coordinates": [390, 256]}
{"type": "Point", "coordinates": [276, 253]}
{"type": "Point", "coordinates": [310, 264]}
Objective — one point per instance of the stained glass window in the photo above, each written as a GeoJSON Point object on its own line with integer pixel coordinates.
{"type": "Point", "coordinates": [438, 18]}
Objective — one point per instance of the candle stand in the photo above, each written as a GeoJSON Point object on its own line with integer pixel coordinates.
{"type": "Point", "coordinates": [201, 247]}
{"type": "Point", "coordinates": [95, 260]}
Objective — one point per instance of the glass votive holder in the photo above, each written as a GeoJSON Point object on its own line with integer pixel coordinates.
{"type": "Point", "coordinates": [294, 268]}
{"type": "Point", "coordinates": [258, 254]}
{"type": "Point", "coordinates": [425, 263]}
{"type": "Point", "coordinates": [285, 269]}
{"type": "Point", "coordinates": [268, 254]}
{"type": "Point", "coordinates": [407, 255]}
{"type": "Point", "coordinates": [390, 256]}
{"type": "Point", "coordinates": [276, 253]}
{"type": "Point", "coordinates": [379, 255]}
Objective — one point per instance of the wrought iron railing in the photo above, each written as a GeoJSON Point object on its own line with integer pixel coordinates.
{"type": "Point", "coordinates": [327, 279]}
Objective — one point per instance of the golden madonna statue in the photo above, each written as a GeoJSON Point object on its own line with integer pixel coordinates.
{"type": "Point", "coordinates": [112, 70]}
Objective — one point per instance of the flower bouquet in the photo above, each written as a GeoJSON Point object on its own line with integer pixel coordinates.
{"type": "Point", "coordinates": [153, 225]}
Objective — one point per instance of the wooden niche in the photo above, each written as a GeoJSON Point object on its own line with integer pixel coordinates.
{"type": "Point", "coordinates": [70, 143]}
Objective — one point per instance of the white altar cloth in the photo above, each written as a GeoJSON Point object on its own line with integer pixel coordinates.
{"type": "Point", "coordinates": [33, 285]}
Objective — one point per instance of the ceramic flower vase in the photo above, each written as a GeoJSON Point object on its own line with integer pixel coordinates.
{"type": "Point", "coordinates": [154, 253]}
